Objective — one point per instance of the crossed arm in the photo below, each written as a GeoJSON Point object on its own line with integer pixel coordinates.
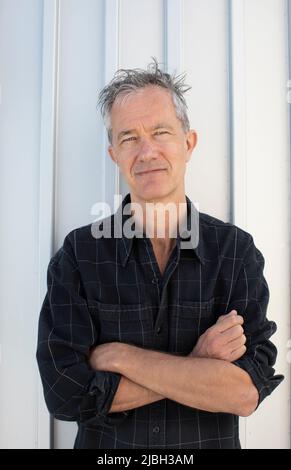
{"type": "Point", "coordinates": [205, 379]}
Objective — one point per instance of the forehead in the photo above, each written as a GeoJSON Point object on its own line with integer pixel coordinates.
{"type": "Point", "coordinates": [145, 106]}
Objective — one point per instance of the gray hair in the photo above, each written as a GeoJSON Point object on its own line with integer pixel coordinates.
{"type": "Point", "coordinates": [126, 81]}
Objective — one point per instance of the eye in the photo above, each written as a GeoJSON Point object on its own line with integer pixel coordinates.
{"type": "Point", "coordinates": [128, 139]}
{"type": "Point", "coordinates": [161, 133]}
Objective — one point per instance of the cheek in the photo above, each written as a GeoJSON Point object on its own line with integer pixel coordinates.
{"type": "Point", "coordinates": [176, 156]}
{"type": "Point", "coordinates": [175, 149]}
{"type": "Point", "coordinates": [125, 166]}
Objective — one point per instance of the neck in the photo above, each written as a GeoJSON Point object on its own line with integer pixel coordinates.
{"type": "Point", "coordinates": [159, 218]}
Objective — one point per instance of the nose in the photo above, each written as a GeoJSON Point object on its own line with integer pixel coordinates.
{"type": "Point", "coordinates": [147, 151]}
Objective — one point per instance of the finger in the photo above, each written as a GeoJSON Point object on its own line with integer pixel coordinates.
{"type": "Point", "coordinates": [229, 321]}
{"type": "Point", "coordinates": [231, 313]}
{"type": "Point", "coordinates": [232, 333]}
{"type": "Point", "coordinates": [238, 353]}
{"type": "Point", "coordinates": [237, 343]}
{"type": "Point", "coordinates": [222, 317]}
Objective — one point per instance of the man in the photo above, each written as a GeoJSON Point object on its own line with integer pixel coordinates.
{"type": "Point", "coordinates": [145, 341]}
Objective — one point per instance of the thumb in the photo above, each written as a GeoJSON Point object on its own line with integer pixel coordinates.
{"type": "Point", "coordinates": [221, 317]}
{"type": "Point", "coordinates": [232, 312]}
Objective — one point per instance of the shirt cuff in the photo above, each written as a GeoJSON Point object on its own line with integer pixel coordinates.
{"type": "Point", "coordinates": [104, 386]}
{"type": "Point", "coordinates": [265, 383]}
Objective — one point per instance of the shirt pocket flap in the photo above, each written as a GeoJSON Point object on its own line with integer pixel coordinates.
{"type": "Point", "coordinates": [131, 324]}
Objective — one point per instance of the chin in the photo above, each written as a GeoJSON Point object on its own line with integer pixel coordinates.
{"type": "Point", "coordinates": [153, 194]}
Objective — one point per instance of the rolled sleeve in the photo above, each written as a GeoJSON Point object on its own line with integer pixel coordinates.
{"type": "Point", "coordinates": [73, 391]}
{"type": "Point", "coordinates": [250, 298]}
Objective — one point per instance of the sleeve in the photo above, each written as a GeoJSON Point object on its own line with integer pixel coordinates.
{"type": "Point", "coordinates": [250, 298]}
{"type": "Point", "coordinates": [73, 391]}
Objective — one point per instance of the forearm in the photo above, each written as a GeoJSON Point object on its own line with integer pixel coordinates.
{"type": "Point", "coordinates": [130, 395]}
{"type": "Point", "coordinates": [207, 384]}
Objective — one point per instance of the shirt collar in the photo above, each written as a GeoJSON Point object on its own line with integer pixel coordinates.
{"type": "Point", "coordinates": [195, 242]}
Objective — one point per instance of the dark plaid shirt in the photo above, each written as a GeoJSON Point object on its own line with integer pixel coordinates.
{"type": "Point", "coordinates": [110, 289]}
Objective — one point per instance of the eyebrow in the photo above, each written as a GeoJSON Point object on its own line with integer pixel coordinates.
{"type": "Point", "coordinates": [160, 125]}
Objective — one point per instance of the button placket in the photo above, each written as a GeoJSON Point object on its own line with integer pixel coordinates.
{"type": "Point", "coordinates": [167, 275]}
{"type": "Point", "coordinates": [156, 428]}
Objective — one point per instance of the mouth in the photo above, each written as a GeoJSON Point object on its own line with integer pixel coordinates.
{"type": "Point", "coordinates": [148, 172]}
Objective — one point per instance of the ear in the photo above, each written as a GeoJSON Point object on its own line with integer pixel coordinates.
{"type": "Point", "coordinates": [191, 141]}
{"type": "Point", "coordinates": [112, 154]}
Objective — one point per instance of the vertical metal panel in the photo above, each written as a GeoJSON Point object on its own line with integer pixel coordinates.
{"type": "Point", "coordinates": [79, 143]}
{"type": "Point", "coordinates": [260, 182]}
{"type": "Point", "coordinates": [48, 138]}
{"type": "Point", "coordinates": [141, 32]}
{"type": "Point", "coordinates": [237, 126]}
{"type": "Point", "coordinates": [174, 39]}
{"type": "Point", "coordinates": [20, 64]}
{"type": "Point", "coordinates": [111, 178]}
{"type": "Point", "coordinates": [205, 61]}
{"type": "Point", "coordinates": [237, 110]}
{"type": "Point", "coordinates": [80, 157]}
{"type": "Point", "coordinates": [267, 215]}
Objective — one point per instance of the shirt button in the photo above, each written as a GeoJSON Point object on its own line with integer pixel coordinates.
{"type": "Point", "coordinates": [156, 429]}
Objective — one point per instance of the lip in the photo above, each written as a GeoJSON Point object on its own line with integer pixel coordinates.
{"type": "Point", "coordinates": [156, 170]}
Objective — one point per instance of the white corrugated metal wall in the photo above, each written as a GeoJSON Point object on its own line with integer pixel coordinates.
{"type": "Point", "coordinates": [55, 55]}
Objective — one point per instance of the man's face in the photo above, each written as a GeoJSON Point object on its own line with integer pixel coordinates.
{"type": "Point", "coordinates": [149, 144]}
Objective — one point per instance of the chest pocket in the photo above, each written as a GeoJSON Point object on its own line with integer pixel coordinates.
{"type": "Point", "coordinates": [188, 321]}
{"type": "Point", "coordinates": [130, 324]}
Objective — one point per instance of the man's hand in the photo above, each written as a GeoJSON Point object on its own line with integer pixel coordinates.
{"type": "Point", "coordinates": [105, 356]}
{"type": "Point", "coordinates": [224, 340]}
